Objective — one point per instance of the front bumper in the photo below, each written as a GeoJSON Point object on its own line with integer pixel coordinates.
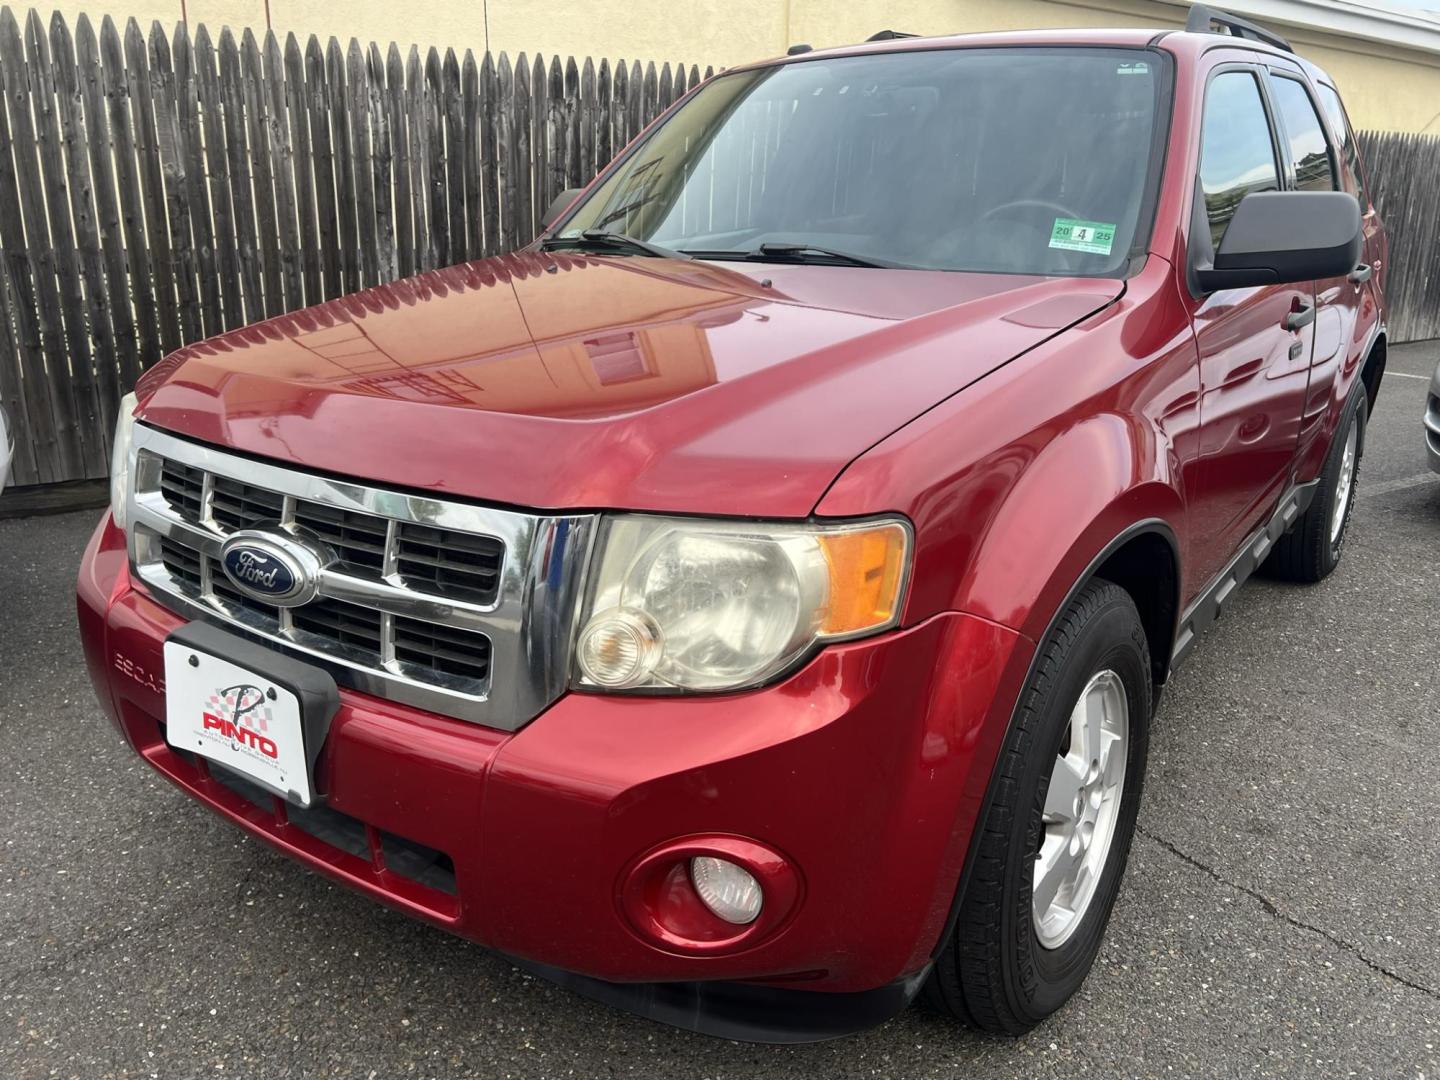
{"type": "Point", "coordinates": [866, 769]}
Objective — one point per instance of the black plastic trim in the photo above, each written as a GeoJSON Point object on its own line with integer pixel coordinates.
{"type": "Point", "coordinates": [1207, 608]}
{"type": "Point", "coordinates": [744, 1012]}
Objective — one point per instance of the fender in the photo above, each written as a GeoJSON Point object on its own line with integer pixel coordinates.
{"type": "Point", "coordinates": [1017, 482]}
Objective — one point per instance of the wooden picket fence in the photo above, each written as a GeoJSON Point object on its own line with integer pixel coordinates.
{"type": "Point", "coordinates": [1404, 175]}
{"type": "Point", "coordinates": [156, 189]}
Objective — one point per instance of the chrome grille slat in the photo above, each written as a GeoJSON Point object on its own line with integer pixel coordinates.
{"type": "Point", "coordinates": [465, 610]}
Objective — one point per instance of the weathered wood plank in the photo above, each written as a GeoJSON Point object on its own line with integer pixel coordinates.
{"type": "Point", "coordinates": [574, 157]}
{"type": "Point", "coordinates": [297, 104]}
{"type": "Point", "coordinates": [194, 193]}
{"type": "Point", "coordinates": [587, 121]}
{"type": "Point", "coordinates": [282, 170]}
{"type": "Point", "coordinates": [347, 234]}
{"type": "Point", "coordinates": [152, 189]}
{"type": "Point", "coordinates": [525, 223]}
{"type": "Point", "coordinates": [505, 147]}
{"type": "Point", "coordinates": [217, 168]}
{"type": "Point", "coordinates": [173, 170]}
{"type": "Point", "coordinates": [126, 359]}
{"type": "Point", "coordinates": [27, 392]}
{"type": "Point", "coordinates": [419, 124]}
{"type": "Point", "coordinates": [76, 410]}
{"type": "Point", "coordinates": [619, 107]}
{"type": "Point", "coordinates": [382, 162]}
{"type": "Point", "coordinates": [95, 371]}
{"type": "Point", "coordinates": [262, 155]}
{"type": "Point", "coordinates": [556, 143]}
{"type": "Point", "coordinates": [357, 92]}
{"type": "Point", "coordinates": [539, 138]}
{"type": "Point", "coordinates": [470, 147]}
{"type": "Point", "coordinates": [435, 161]}
{"type": "Point", "coordinates": [400, 141]}
{"type": "Point", "coordinates": [454, 120]}
{"type": "Point", "coordinates": [232, 91]}
{"type": "Point", "coordinates": [635, 105]}
{"type": "Point", "coordinates": [651, 97]}
{"type": "Point", "coordinates": [28, 88]}
{"type": "Point", "coordinates": [489, 109]}
{"type": "Point", "coordinates": [604, 136]}
{"type": "Point", "coordinates": [327, 216]}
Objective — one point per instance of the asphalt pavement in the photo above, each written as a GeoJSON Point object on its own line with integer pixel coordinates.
{"type": "Point", "coordinates": [1280, 917]}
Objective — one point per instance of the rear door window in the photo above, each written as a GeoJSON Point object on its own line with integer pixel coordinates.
{"type": "Point", "coordinates": [1308, 150]}
{"type": "Point", "coordinates": [1340, 124]}
{"type": "Point", "coordinates": [1237, 154]}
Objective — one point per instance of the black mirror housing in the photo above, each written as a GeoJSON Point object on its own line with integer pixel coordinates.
{"type": "Point", "coordinates": [559, 206]}
{"type": "Point", "coordinates": [1277, 237]}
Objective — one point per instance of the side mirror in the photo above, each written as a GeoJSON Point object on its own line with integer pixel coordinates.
{"type": "Point", "coordinates": [561, 204]}
{"type": "Point", "coordinates": [1278, 237]}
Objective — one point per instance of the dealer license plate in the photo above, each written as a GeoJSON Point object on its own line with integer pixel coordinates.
{"type": "Point", "coordinates": [237, 718]}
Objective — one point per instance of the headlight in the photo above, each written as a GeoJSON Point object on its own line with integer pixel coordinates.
{"type": "Point", "coordinates": [677, 604]}
{"type": "Point", "coordinates": [120, 459]}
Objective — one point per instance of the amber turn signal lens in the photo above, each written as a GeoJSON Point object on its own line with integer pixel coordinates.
{"type": "Point", "coordinates": [867, 573]}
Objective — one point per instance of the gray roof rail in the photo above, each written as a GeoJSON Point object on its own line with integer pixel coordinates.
{"type": "Point", "coordinates": [1204, 19]}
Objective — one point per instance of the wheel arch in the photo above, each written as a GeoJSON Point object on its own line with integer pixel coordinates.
{"type": "Point", "coordinates": [1123, 555]}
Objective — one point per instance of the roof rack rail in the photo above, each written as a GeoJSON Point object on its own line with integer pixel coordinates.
{"type": "Point", "coordinates": [890, 35]}
{"type": "Point", "coordinates": [1204, 19]}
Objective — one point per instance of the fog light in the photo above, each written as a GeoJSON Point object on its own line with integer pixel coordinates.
{"type": "Point", "coordinates": [619, 648]}
{"type": "Point", "coordinates": [730, 891]}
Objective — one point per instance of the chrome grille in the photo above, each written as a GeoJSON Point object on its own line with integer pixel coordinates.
{"type": "Point", "coordinates": [447, 562]}
{"type": "Point", "coordinates": [465, 610]}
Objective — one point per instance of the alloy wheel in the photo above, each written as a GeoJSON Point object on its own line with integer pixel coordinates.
{"type": "Point", "coordinates": [1082, 805]}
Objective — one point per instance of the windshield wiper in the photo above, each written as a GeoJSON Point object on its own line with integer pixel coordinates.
{"type": "Point", "coordinates": [600, 238]}
{"type": "Point", "coordinates": [799, 253]}
{"type": "Point", "coordinates": [810, 253]}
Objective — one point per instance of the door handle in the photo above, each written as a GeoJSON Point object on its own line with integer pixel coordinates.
{"type": "Point", "coordinates": [1361, 273]}
{"type": "Point", "coordinates": [1301, 314]}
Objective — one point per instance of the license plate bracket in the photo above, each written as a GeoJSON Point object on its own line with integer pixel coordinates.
{"type": "Point", "coordinates": [253, 710]}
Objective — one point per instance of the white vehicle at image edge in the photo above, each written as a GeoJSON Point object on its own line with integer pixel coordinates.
{"type": "Point", "coordinates": [7, 448]}
{"type": "Point", "coordinates": [1432, 420]}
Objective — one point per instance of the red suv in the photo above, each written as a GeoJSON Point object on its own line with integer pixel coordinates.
{"type": "Point", "coordinates": [748, 604]}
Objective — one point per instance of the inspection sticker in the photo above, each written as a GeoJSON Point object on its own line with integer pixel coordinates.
{"type": "Point", "coordinates": [1095, 237]}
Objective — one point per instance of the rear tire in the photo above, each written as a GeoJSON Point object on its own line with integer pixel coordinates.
{"type": "Point", "coordinates": [1314, 544]}
{"type": "Point", "coordinates": [1009, 963]}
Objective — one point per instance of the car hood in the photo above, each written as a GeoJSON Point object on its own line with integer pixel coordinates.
{"type": "Point", "coordinates": [563, 381]}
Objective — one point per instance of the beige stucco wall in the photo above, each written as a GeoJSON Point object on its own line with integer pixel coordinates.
{"type": "Point", "coordinates": [1385, 88]}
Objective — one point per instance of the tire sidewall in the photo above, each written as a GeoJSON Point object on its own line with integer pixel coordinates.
{"type": "Point", "coordinates": [1356, 415]}
{"type": "Point", "coordinates": [1043, 979]}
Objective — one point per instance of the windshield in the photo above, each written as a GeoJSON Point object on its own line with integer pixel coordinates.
{"type": "Point", "coordinates": [1014, 160]}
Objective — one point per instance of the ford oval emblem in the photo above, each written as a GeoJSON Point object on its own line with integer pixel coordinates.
{"type": "Point", "coordinates": [272, 567]}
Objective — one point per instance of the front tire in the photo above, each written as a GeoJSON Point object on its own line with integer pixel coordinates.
{"type": "Point", "coordinates": [1054, 839]}
{"type": "Point", "coordinates": [1313, 546]}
